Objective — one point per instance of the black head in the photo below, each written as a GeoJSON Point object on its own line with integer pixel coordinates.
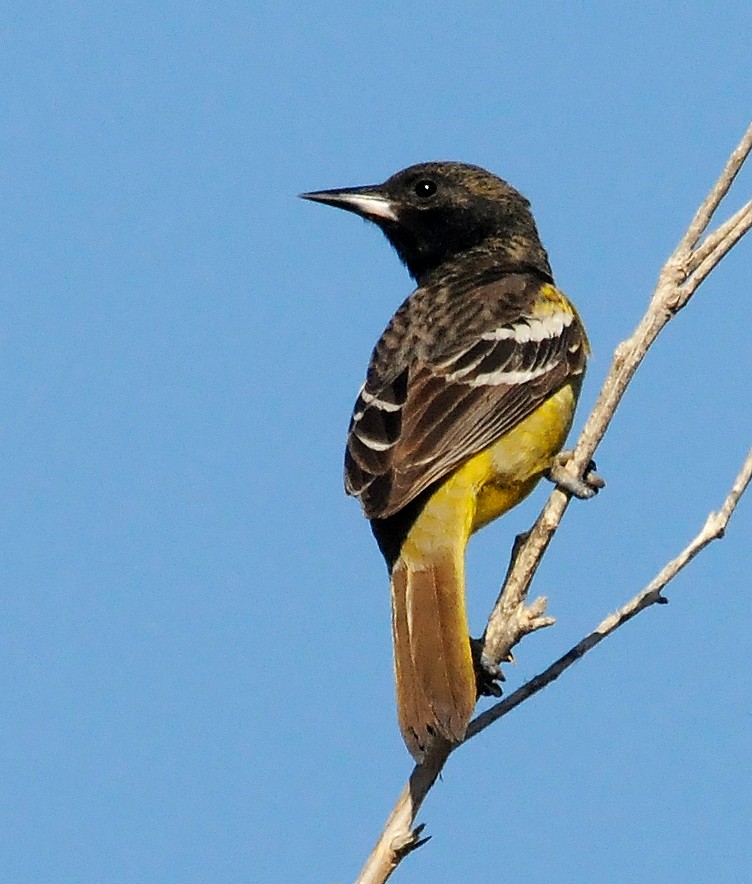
{"type": "Point", "coordinates": [434, 213]}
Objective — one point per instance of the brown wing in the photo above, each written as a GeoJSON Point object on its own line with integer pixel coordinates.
{"type": "Point", "coordinates": [448, 378]}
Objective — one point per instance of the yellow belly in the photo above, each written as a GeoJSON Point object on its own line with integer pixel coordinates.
{"type": "Point", "coordinates": [491, 482]}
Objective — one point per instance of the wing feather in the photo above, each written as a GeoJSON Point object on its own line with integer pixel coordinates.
{"type": "Point", "coordinates": [431, 401]}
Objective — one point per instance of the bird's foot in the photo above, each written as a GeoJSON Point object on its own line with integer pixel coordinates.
{"type": "Point", "coordinates": [583, 488]}
{"type": "Point", "coordinates": [487, 673]}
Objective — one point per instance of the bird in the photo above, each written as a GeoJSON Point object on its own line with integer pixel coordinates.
{"type": "Point", "coordinates": [469, 395]}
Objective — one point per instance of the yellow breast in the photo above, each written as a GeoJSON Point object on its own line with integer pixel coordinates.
{"type": "Point", "coordinates": [519, 459]}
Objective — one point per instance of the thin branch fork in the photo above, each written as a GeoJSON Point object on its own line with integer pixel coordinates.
{"type": "Point", "coordinates": [511, 618]}
{"type": "Point", "coordinates": [713, 529]}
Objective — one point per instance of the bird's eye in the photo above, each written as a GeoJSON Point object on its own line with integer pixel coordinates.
{"type": "Point", "coordinates": [425, 188]}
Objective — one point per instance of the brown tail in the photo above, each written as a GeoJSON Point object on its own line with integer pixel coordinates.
{"type": "Point", "coordinates": [433, 665]}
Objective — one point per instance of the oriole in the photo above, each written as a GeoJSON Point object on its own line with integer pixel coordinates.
{"type": "Point", "coordinates": [468, 398]}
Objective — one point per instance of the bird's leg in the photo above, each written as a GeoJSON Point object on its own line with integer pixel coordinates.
{"type": "Point", "coordinates": [586, 487]}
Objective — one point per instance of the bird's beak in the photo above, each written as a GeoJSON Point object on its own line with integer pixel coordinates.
{"type": "Point", "coordinates": [365, 201]}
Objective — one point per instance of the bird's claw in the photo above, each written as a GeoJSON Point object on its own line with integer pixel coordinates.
{"type": "Point", "coordinates": [583, 488]}
{"type": "Point", "coordinates": [487, 673]}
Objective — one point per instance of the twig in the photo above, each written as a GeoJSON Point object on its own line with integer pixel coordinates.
{"type": "Point", "coordinates": [512, 618]}
{"type": "Point", "coordinates": [399, 838]}
{"type": "Point", "coordinates": [713, 240]}
{"type": "Point", "coordinates": [706, 211]}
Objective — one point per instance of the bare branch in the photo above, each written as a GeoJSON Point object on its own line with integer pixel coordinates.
{"type": "Point", "coordinates": [399, 838]}
{"type": "Point", "coordinates": [706, 211]}
{"type": "Point", "coordinates": [713, 240]}
{"type": "Point", "coordinates": [722, 247]}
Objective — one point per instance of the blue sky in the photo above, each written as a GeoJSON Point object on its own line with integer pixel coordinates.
{"type": "Point", "coordinates": [194, 630]}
